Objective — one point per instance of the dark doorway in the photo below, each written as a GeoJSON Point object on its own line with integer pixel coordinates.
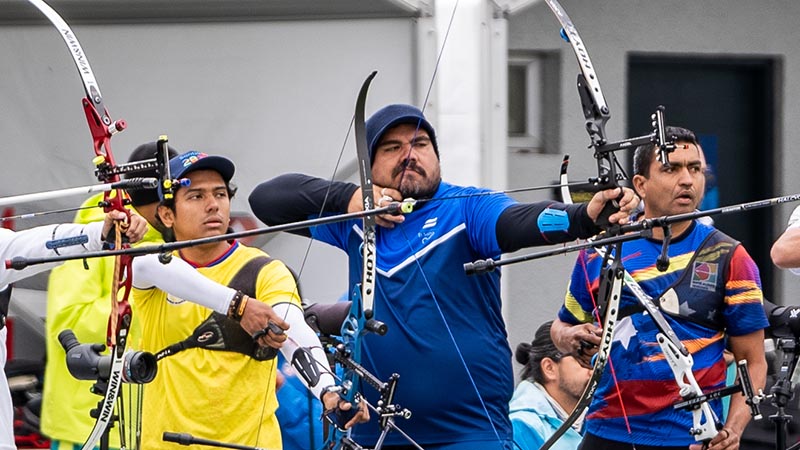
{"type": "Point", "coordinates": [729, 103]}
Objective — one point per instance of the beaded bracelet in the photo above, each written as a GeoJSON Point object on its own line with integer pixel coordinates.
{"type": "Point", "coordinates": [237, 306]}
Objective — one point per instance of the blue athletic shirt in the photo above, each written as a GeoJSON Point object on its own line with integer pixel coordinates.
{"type": "Point", "coordinates": [646, 383]}
{"type": "Point", "coordinates": [439, 236]}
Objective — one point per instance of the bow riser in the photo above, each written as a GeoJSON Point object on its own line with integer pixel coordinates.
{"type": "Point", "coordinates": [101, 136]}
{"type": "Point", "coordinates": [119, 321]}
{"type": "Point", "coordinates": [614, 276]}
{"type": "Point", "coordinates": [102, 128]}
{"type": "Point", "coordinates": [369, 273]}
{"type": "Point", "coordinates": [362, 299]}
{"type": "Point", "coordinates": [596, 114]}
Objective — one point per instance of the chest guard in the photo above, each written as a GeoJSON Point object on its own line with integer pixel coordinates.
{"type": "Point", "coordinates": [698, 294]}
{"type": "Point", "coordinates": [218, 332]}
{"type": "Point", "coordinates": [700, 290]}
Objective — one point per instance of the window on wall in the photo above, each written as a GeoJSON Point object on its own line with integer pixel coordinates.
{"type": "Point", "coordinates": [533, 102]}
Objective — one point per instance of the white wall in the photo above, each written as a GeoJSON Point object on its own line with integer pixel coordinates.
{"type": "Point", "coordinates": [275, 97]}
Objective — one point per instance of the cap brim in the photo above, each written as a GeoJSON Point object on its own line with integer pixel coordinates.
{"type": "Point", "coordinates": [222, 165]}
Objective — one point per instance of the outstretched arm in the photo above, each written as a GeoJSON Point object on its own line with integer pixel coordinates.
{"type": "Point", "coordinates": [31, 244]}
{"type": "Point", "coordinates": [785, 253]}
{"type": "Point", "coordinates": [786, 250]}
{"type": "Point", "coordinates": [294, 197]}
{"type": "Point", "coordinates": [530, 224]}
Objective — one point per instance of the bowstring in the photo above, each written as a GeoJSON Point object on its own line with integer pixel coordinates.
{"type": "Point", "coordinates": [327, 192]}
{"type": "Point", "coordinates": [125, 414]}
{"type": "Point", "coordinates": [596, 311]}
{"type": "Point", "coordinates": [296, 292]}
{"type": "Point", "coordinates": [430, 86]}
{"type": "Point", "coordinates": [411, 248]}
{"type": "Point", "coordinates": [567, 199]}
{"type": "Point", "coordinates": [450, 333]}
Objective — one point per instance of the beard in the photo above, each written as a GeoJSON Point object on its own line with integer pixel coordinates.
{"type": "Point", "coordinates": [572, 387]}
{"type": "Point", "coordinates": [421, 188]}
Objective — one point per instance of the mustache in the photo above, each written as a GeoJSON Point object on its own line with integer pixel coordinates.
{"type": "Point", "coordinates": [409, 165]}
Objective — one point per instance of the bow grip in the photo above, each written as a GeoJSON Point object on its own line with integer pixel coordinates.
{"type": "Point", "coordinates": [336, 416]}
{"type": "Point", "coordinates": [110, 240]}
{"type": "Point", "coordinates": [610, 207]}
{"type": "Point", "coordinates": [339, 418]}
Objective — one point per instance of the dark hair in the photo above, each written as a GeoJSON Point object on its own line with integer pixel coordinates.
{"type": "Point", "coordinates": [531, 355]}
{"type": "Point", "coordinates": [143, 152]}
{"type": "Point", "coordinates": [645, 154]}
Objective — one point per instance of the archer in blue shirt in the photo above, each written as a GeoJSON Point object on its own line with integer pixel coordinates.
{"type": "Point", "coordinates": [447, 337]}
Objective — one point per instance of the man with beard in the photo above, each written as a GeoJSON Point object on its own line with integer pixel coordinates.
{"type": "Point", "coordinates": [446, 338]}
{"type": "Point", "coordinates": [551, 385]}
{"type": "Point", "coordinates": [717, 295]}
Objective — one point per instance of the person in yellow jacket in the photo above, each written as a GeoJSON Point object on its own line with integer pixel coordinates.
{"type": "Point", "coordinates": [79, 299]}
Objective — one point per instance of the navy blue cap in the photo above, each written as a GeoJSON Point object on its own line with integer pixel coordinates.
{"type": "Point", "coordinates": [190, 161]}
{"type": "Point", "coordinates": [390, 116]}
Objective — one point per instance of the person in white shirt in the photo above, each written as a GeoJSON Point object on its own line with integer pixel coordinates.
{"type": "Point", "coordinates": [786, 250]}
{"type": "Point", "coordinates": [31, 244]}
